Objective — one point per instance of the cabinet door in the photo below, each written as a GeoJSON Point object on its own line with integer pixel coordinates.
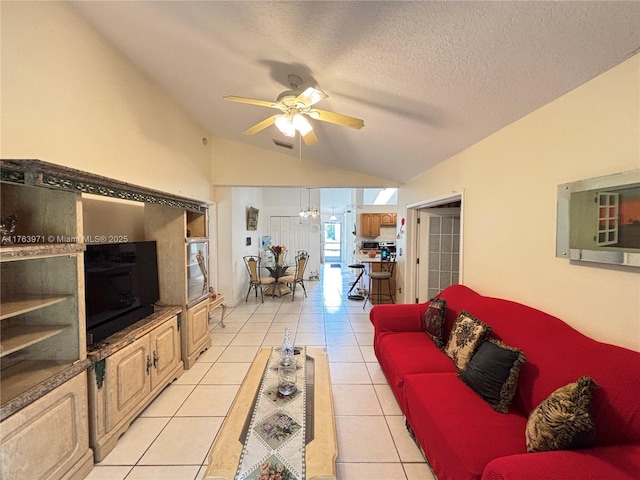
{"type": "Point", "coordinates": [165, 350]}
{"type": "Point", "coordinates": [127, 380]}
{"type": "Point", "coordinates": [370, 224]}
{"type": "Point", "coordinates": [388, 219]}
{"type": "Point", "coordinates": [198, 327]}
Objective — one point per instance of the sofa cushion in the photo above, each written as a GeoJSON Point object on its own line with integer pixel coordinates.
{"type": "Point", "coordinates": [434, 320]}
{"type": "Point", "coordinates": [458, 432]}
{"type": "Point", "coordinates": [467, 335]}
{"type": "Point", "coordinates": [563, 420]}
{"type": "Point", "coordinates": [401, 354]}
{"type": "Point", "coordinates": [493, 373]}
{"type": "Point", "coordinates": [620, 462]}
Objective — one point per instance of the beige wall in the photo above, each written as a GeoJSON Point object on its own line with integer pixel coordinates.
{"type": "Point", "coordinates": [236, 164]}
{"type": "Point", "coordinates": [70, 98]}
{"type": "Point", "coordinates": [509, 182]}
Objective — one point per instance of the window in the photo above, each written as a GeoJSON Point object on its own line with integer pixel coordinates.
{"type": "Point", "coordinates": [380, 196]}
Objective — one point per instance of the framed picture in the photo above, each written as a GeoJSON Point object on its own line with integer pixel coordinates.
{"type": "Point", "coordinates": [252, 218]}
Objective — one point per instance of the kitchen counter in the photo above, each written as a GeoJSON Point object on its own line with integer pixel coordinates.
{"type": "Point", "coordinates": [363, 258]}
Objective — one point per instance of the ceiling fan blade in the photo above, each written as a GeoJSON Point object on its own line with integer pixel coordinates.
{"type": "Point", "coordinates": [310, 138]}
{"type": "Point", "coordinates": [267, 122]}
{"type": "Point", "coordinates": [310, 96]}
{"type": "Point", "coordinates": [252, 101]}
{"type": "Point", "coordinates": [337, 118]}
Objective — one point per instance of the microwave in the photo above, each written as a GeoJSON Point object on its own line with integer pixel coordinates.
{"type": "Point", "coordinates": [370, 246]}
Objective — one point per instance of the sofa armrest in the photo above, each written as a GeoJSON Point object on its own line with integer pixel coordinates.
{"type": "Point", "coordinates": [405, 317]}
{"type": "Point", "coordinates": [619, 462]}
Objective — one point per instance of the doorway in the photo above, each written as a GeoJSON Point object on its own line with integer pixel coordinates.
{"type": "Point", "coordinates": [438, 247]}
{"type": "Point", "coordinates": [332, 242]}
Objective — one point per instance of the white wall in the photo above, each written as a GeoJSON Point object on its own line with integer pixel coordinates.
{"type": "Point", "coordinates": [509, 220]}
{"type": "Point", "coordinates": [70, 98]}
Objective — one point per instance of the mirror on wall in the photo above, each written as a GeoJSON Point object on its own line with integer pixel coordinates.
{"type": "Point", "coordinates": [599, 219]}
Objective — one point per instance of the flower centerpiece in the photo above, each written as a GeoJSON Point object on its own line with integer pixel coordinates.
{"type": "Point", "coordinates": [278, 253]}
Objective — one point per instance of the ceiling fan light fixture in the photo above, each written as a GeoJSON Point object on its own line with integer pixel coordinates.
{"type": "Point", "coordinates": [301, 124]}
{"type": "Point", "coordinates": [285, 125]}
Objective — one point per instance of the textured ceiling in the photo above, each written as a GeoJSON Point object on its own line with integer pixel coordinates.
{"type": "Point", "coordinates": [428, 78]}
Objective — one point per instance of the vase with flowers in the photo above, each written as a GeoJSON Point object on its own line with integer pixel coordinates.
{"type": "Point", "coordinates": [278, 253]}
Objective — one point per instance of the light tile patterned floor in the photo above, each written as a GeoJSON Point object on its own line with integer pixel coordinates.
{"type": "Point", "coordinates": [170, 440]}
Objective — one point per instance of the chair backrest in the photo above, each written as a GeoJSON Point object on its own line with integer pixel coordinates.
{"type": "Point", "coordinates": [301, 263]}
{"type": "Point", "coordinates": [388, 264]}
{"type": "Point", "coordinates": [253, 268]}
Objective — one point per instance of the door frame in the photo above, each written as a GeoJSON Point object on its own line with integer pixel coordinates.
{"type": "Point", "coordinates": [412, 239]}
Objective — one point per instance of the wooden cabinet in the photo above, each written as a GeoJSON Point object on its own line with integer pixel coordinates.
{"type": "Point", "coordinates": [370, 224]}
{"type": "Point", "coordinates": [130, 370]}
{"type": "Point", "coordinates": [196, 337]}
{"type": "Point", "coordinates": [49, 437]}
{"type": "Point", "coordinates": [183, 274]}
{"type": "Point", "coordinates": [43, 391]}
{"type": "Point", "coordinates": [388, 219]}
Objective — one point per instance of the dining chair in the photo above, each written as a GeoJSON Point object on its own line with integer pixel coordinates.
{"type": "Point", "coordinates": [298, 277]}
{"type": "Point", "coordinates": [384, 275]}
{"type": "Point", "coordinates": [255, 279]}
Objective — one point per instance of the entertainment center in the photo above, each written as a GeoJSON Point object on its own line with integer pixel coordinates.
{"type": "Point", "coordinates": [74, 376]}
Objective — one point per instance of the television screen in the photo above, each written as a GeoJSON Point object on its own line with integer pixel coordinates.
{"type": "Point", "coordinates": [121, 286]}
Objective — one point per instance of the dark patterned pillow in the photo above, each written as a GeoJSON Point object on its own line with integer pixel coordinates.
{"type": "Point", "coordinates": [467, 335]}
{"type": "Point", "coordinates": [493, 373]}
{"type": "Point", "coordinates": [433, 321]}
{"type": "Point", "coordinates": [563, 420]}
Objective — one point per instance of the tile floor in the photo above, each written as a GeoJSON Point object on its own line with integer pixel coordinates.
{"type": "Point", "coordinates": [170, 440]}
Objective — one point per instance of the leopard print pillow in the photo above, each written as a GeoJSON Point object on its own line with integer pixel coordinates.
{"type": "Point", "coordinates": [563, 420]}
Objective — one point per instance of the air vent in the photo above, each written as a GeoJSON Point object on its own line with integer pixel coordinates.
{"type": "Point", "coordinates": [283, 144]}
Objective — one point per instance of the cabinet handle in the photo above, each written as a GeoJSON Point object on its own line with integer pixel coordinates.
{"type": "Point", "coordinates": [155, 359]}
{"type": "Point", "coordinates": [148, 364]}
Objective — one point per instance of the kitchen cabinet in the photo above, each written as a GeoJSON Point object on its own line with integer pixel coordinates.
{"type": "Point", "coordinates": [130, 369]}
{"type": "Point", "coordinates": [388, 219]}
{"type": "Point", "coordinates": [369, 224]}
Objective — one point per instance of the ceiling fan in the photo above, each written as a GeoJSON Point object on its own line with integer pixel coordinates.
{"type": "Point", "coordinates": [294, 106]}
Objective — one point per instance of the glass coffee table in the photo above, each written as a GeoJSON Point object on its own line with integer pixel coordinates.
{"type": "Point", "coordinates": [321, 448]}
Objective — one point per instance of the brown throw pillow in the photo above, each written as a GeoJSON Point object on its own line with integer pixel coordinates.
{"type": "Point", "coordinates": [563, 420]}
{"type": "Point", "coordinates": [493, 373]}
{"type": "Point", "coordinates": [467, 335]}
{"type": "Point", "coordinates": [433, 320]}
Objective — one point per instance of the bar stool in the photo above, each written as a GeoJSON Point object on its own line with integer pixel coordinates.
{"type": "Point", "coordinates": [387, 265]}
{"type": "Point", "coordinates": [356, 296]}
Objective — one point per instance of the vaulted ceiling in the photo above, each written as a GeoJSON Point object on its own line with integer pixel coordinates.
{"type": "Point", "coordinates": [428, 78]}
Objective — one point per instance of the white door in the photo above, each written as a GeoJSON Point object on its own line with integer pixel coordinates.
{"type": "Point", "coordinates": [290, 232]}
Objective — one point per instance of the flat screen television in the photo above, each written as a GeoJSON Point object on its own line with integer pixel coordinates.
{"type": "Point", "coordinates": [121, 286]}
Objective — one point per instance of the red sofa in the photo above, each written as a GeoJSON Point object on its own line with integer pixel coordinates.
{"type": "Point", "coordinates": [464, 438]}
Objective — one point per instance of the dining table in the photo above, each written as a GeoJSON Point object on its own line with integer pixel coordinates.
{"type": "Point", "coordinates": [277, 289]}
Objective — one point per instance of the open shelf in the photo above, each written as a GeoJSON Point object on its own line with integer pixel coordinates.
{"type": "Point", "coordinates": [19, 304]}
{"type": "Point", "coordinates": [17, 337]}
